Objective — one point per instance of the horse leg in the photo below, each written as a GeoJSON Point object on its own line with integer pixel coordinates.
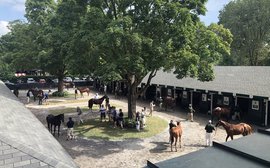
{"type": "Point", "coordinates": [48, 126]}
{"type": "Point", "coordinates": [175, 145]}
{"type": "Point", "coordinates": [227, 137]}
{"type": "Point", "coordinates": [231, 137]}
{"type": "Point", "coordinates": [172, 138]}
{"type": "Point", "coordinates": [180, 141]}
{"type": "Point", "coordinates": [54, 130]}
{"type": "Point", "coordinates": [58, 130]}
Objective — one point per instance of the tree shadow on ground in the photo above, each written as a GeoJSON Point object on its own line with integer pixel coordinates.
{"type": "Point", "coordinates": [161, 147]}
{"type": "Point", "coordinates": [98, 148]}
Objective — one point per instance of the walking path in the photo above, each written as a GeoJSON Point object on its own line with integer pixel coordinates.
{"type": "Point", "coordinates": [132, 152]}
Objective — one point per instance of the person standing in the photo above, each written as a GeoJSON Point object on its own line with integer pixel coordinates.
{"type": "Point", "coordinates": [28, 97]}
{"type": "Point", "coordinates": [171, 125]}
{"type": "Point", "coordinates": [209, 130]}
{"type": "Point", "coordinates": [152, 105]}
{"type": "Point", "coordinates": [143, 119]}
{"type": "Point", "coordinates": [121, 118]}
{"type": "Point", "coordinates": [70, 125]}
{"type": "Point", "coordinates": [190, 113]}
{"type": "Point", "coordinates": [79, 111]}
{"type": "Point", "coordinates": [102, 111]}
{"type": "Point", "coordinates": [76, 93]}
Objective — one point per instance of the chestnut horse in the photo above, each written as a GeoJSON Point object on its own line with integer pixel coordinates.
{"type": "Point", "coordinates": [176, 133]}
{"type": "Point", "coordinates": [96, 101]}
{"type": "Point", "coordinates": [168, 102]}
{"type": "Point", "coordinates": [235, 129]}
{"type": "Point", "coordinates": [85, 89]}
{"type": "Point", "coordinates": [221, 112]}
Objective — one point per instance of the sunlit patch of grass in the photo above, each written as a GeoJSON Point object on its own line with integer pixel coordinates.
{"type": "Point", "coordinates": [94, 128]}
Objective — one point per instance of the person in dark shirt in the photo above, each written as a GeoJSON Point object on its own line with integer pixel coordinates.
{"type": "Point", "coordinates": [171, 125]}
{"type": "Point", "coordinates": [121, 118]}
{"type": "Point", "coordinates": [70, 125]}
{"type": "Point", "coordinates": [209, 130]}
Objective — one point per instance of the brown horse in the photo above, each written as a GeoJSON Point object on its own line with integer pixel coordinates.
{"type": "Point", "coordinates": [235, 129]}
{"type": "Point", "coordinates": [168, 102]}
{"type": "Point", "coordinates": [85, 89]}
{"type": "Point", "coordinates": [221, 112]}
{"type": "Point", "coordinates": [176, 133]}
{"type": "Point", "coordinates": [36, 93]}
{"type": "Point", "coordinates": [96, 101]}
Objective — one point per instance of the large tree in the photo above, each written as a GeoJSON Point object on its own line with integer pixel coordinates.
{"type": "Point", "coordinates": [131, 39]}
{"type": "Point", "coordinates": [248, 22]}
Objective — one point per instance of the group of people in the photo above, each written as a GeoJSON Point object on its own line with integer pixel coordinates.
{"type": "Point", "coordinates": [140, 119]}
{"type": "Point", "coordinates": [116, 116]}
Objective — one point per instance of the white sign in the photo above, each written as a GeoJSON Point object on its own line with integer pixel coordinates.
{"type": "Point", "coordinates": [204, 97]}
{"type": "Point", "coordinates": [255, 104]}
{"type": "Point", "coordinates": [226, 100]}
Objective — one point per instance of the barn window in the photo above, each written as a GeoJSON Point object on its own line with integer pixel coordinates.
{"type": "Point", "coordinates": [204, 97]}
{"type": "Point", "coordinates": [226, 100]}
{"type": "Point", "coordinates": [255, 104]}
{"type": "Point", "coordinates": [169, 92]}
{"type": "Point", "coordinates": [185, 94]}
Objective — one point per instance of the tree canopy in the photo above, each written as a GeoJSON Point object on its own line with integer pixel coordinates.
{"type": "Point", "coordinates": [125, 40]}
{"type": "Point", "coordinates": [248, 22]}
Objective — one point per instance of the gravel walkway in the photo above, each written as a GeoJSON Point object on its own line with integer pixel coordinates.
{"type": "Point", "coordinates": [133, 152]}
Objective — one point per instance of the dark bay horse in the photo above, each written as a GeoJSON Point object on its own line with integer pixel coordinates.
{"type": "Point", "coordinates": [168, 102]}
{"type": "Point", "coordinates": [235, 129]}
{"type": "Point", "coordinates": [175, 134]}
{"type": "Point", "coordinates": [221, 112]}
{"type": "Point", "coordinates": [36, 93]}
{"type": "Point", "coordinates": [54, 121]}
{"type": "Point", "coordinates": [68, 85]}
{"type": "Point", "coordinates": [96, 101]}
{"type": "Point", "coordinates": [85, 89]}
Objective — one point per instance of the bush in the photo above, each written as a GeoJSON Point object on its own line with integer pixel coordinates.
{"type": "Point", "coordinates": [60, 94]}
{"type": "Point", "coordinates": [129, 123]}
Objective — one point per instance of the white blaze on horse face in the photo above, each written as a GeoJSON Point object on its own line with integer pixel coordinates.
{"type": "Point", "coordinates": [218, 108]}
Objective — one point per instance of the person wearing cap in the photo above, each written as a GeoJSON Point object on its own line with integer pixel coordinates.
{"type": "Point", "coordinates": [209, 130]}
{"type": "Point", "coordinates": [190, 113]}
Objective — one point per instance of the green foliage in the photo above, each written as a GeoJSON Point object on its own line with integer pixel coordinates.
{"type": "Point", "coordinates": [247, 20]}
{"type": "Point", "coordinates": [60, 94]}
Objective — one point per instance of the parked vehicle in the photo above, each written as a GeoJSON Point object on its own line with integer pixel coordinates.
{"type": "Point", "coordinates": [55, 80]}
{"type": "Point", "coordinates": [31, 80]}
{"type": "Point", "coordinates": [67, 79]}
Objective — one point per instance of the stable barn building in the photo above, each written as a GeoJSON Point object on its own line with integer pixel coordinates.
{"type": "Point", "coordinates": [245, 86]}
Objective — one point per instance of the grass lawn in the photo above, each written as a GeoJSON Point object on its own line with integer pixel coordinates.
{"type": "Point", "coordinates": [104, 130]}
{"type": "Point", "coordinates": [68, 110]}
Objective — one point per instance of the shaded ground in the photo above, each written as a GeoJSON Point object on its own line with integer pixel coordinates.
{"type": "Point", "coordinates": [131, 152]}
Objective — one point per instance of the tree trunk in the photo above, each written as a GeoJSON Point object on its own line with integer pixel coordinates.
{"type": "Point", "coordinates": [132, 99]}
{"type": "Point", "coordinates": [60, 84]}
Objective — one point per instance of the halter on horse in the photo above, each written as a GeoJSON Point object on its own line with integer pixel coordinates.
{"type": "Point", "coordinates": [235, 129]}
{"type": "Point", "coordinates": [221, 112]}
{"type": "Point", "coordinates": [56, 121]}
{"type": "Point", "coordinates": [36, 93]}
{"type": "Point", "coordinates": [82, 90]}
{"type": "Point", "coordinates": [176, 133]}
{"type": "Point", "coordinates": [96, 101]}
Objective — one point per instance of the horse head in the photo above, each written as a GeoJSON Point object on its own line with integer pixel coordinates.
{"type": "Point", "coordinates": [219, 123]}
{"type": "Point", "coordinates": [62, 117]}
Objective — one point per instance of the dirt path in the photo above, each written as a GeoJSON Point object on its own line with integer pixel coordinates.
{"type": "Point", "coordinates": [134, 152]}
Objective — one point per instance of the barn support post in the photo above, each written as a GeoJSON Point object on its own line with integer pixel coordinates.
{"type": "Point", "coordinates": [191, 98]}
{"type": "Point", "coordinates": [266, 112]}
{"type": "Point", "coordinates": [235, 101]}
{"type": "Point", "coordinates": [211, 104]}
